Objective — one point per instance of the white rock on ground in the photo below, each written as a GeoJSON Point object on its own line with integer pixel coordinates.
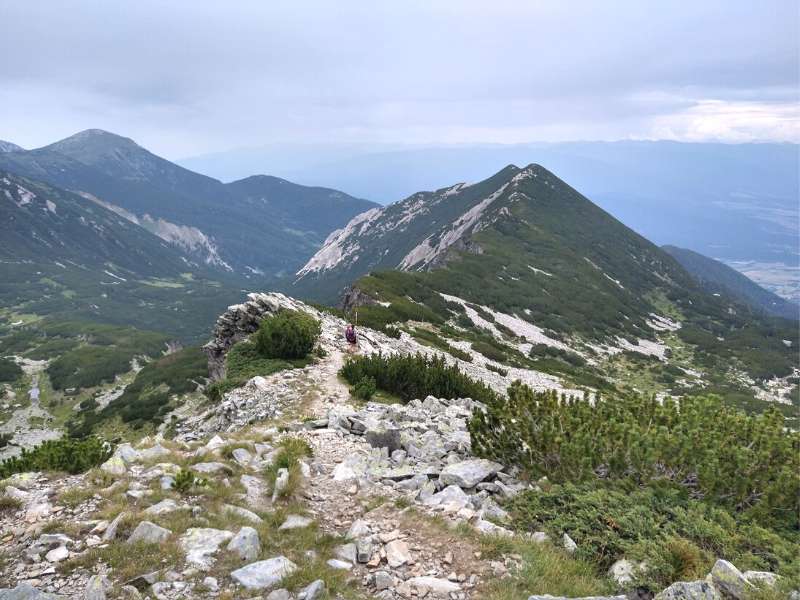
{"type": "Point", "coordinates": [149, 533]}
{"type": "Point", "coordinates": [295, 522]}
{"type": "Point", "coordinates": [469, 473]}
{"type": "Point", "coordinates": [201, 543]}
{"type": "Point", "coordinates": [264, 574]}
{"type": "Point", "coordinates": [246, 544]}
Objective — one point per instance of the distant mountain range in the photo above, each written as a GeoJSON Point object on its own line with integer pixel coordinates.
{"type": "Point", "coordinates": [257, 226]}
{"type": "Point", "coordinates": [730, 201]}
{"type": "Point", "coordinates": [523, 251]}
{"type": "Point", "coordinates": [98, 228]}
{"type": "Point", "coordinates": [718, 278]}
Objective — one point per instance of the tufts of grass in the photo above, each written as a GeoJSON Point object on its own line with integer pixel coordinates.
{"type": "Point", "coordinates": [9, 504]}
{"type": "Point", "coordinates": [117, 555]}
{"type": "Point", "coordinates": [75, 495]}
{"type": "Point", "coordinates": [290, 451]}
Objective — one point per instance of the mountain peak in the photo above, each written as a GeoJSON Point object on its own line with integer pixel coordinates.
{"type": "Point", "coordinates": [92, 140]}
{"type": "Point", "coordinates": [9, 147]}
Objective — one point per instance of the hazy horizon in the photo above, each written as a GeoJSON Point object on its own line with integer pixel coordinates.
{"type": "Point", "coordinates": [185, 78]}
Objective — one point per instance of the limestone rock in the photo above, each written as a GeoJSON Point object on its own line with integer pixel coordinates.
{"type": "Point", "coordinates": [242, 512]}
{"type": "Point", "coordinates": [730, 580]}
{"type": "Point", "coordinates": [201, 543]}
{"type": "Point", "coordinates": [439, 588]}
{"type": "Point", "coordinates": [149, 533]}
{"type": "Point", "coordinates": [165, 506]}
{"type": "Point", "coordinates": [96, 588]}
{"type": "Point", "coordinates": [264, 574]}
{"type": "Point", "coordinates": [469, 473]}
{"type": "Point", "coordinates": [246, 544]}
{"type": "Point", "coordinates": [397, 553]}
{"type": "Point", "coordinates": [25, 591]}
{"type": "Point", "coordinates": [295, 522]}
{"type": "Point", "coordinates": [689, 590]}
{"type": "Point", "coordinates": [314, 591]}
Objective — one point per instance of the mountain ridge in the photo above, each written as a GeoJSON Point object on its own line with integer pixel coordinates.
{"type": "Point", "coordinates": [208, 220]}
{"type": "Point", "coordinates": [718, 278]}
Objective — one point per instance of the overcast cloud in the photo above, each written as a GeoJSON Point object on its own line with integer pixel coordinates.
{"type": "Point", "coordinates": [185, 78]}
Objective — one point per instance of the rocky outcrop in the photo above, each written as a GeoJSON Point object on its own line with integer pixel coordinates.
{"type": "Point", "coordinates": [238, 322]}
{"type": "Point", "coordinates": [354, 297]}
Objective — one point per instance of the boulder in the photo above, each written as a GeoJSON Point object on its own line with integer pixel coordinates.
{"type": "Point", "coordinates": [165, 506]}
{"type": "Point", "coordinates": [689, 590]}
{"type": "Point", "coordinates": [264, 574]}
{"type": "Point", "coordinates": [345, 552]}
{"type": "Point", "coordinates": [313, 591]}
{"type": "Point", "coordinates": [569, 544]}
{"type": "Point", "coordinates": [730, 580]}
{"type": "Point", "coordinates": [451, 495]}
{"type": "Point", "coordinates": [149, 533]}
{"type": "Point", "coordinates": [25, 591]}
{"type": "Point", "coordinates": [242, 512]}
{"type": "Point", "coordinates": [383, 436]}
{"type": "Point", "coordinates": [246, 544]}
{"type": "Point", "coordinates": [469, 473]}
{"type": "Point", "coordinates": [358, 529]}
{"type": "Point", "coordinates": [200, 543]}
{"type": "Point", "coordinates": [96, 588]}
{"type": "Point", "coordinates": [397, 553]}
{"type": "Point", "coordinates": [243, 457]}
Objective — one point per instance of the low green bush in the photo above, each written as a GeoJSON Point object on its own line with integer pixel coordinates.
{"type": "Point", "coordinates": [749, 464]}
{"type": "Point", "coordinates": [679, 537]}
{"type": "Point", "coordinates": [289, 334]}
{"type": "Point", "coordinates": [497, 369]}
{"type": "Point", "coordinates": [365, 388]}
{"type": "Point", "coordinates": [411, 376]}
{"type": "Point", "coordinates": [490, 351]}
{"type": "Point", "coordinates": [9, 370]}
{"type": "Point", "coordinates": [66, 455]}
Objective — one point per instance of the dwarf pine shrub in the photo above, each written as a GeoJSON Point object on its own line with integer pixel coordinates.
{"type": "Point", "coordinates": [747, 463]}
{"type": "Point", "coordinates": [411, 376]}
{"type": "Point", "coordinates": [68, 455]}
{"type": "Point", "coordinates": [289, 334]}
{"type": "Point", "coordinates": [365, 389]}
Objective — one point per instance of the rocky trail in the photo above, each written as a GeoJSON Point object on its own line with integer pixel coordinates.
{"type": "Point", "coordinates": [388, 503]}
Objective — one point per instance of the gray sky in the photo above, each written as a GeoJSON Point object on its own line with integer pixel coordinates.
{"type": "Point", "coordinates": [185, 78]}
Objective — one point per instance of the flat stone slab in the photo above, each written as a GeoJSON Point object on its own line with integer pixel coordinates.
{"type": "Point", "coordinates": [264, 574]}
{"type": "Point", "coordinates": [469, 473]}
{"type": "Point", "coordinates": [209, 467]}
{"type": "Point", "coordinates": [201, 543]}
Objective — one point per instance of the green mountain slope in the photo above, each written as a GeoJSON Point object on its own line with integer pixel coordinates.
{"type": "Point", "coordinates": [719, 278]}
{"type": "Point", "coordinates": [68, 257]}
{"type": "Point", "coordinates": [524, 257]}
{"type": "Point", "coordinates": [207, 220]}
